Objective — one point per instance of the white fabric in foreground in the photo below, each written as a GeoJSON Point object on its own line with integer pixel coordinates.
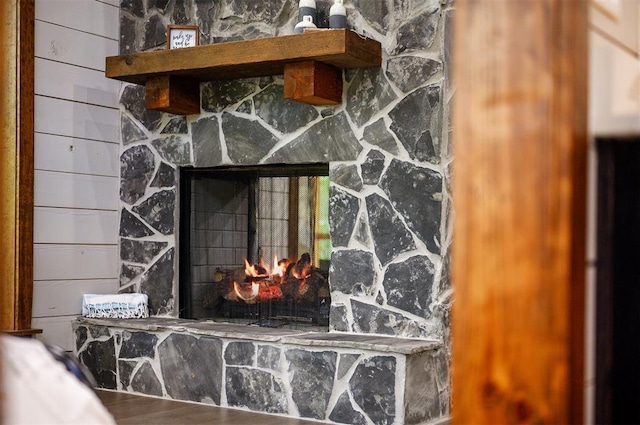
{"type": "Point", "coordinates": [115, 306]}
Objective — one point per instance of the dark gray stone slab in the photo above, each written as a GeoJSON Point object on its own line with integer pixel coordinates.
{"type": "Point", "coordinates": [343, 208]}
{"type": "Point", "coordinates": [372, 167]}
{"type": "Point", "coordinates": [137, 165]}
{"type": "Point", "coordinates": [145, 381]}
{"type": "Point", "coordinates": [125, 369]}
{"type": "Point", "coordinates": [344, 413]}
{"type": "Point", "coordinates": [192, 367]}
{"type": "Point", "coordinates": [138, 344]}
{"type": "Point", "coordinates": [416, 122]}
{"type": "Point", "coordinates": [162, 5]}
{"type": "Point", "coordinates": [158, 211]}
{"type": "Point", "coordinates": [247, 141]}
{"type": "Point", "coordinates": [132, 227]}
{"type": "Point", "coordinates": [132, 99]}
{"type": "Point", "coordinates": [240, 353]}
{"type": "Point", "coordinates": [375, 13]}
{"type": "Point", "coordinates": [129, 272]}
{"type": "Point", "coordinates": [130, 131]}
{"type": "Point", "coordinates": [157, 283]}
{"type": "Point", "coordinates": [390, 236]}
{"type": "Point", "coordinates": [100, 358]}
{"type": "Point", "coordinates": [134, 7]}
{"type": "Point", "coordinates": [176, 125]}
{"type": "Point", "coordinates": [282, 114]}
{"type": "Point", "coordinates": [370, 318]}
{"type": "Point", "coordinates": [312, 380]}
{"type": "Point", "coordinates": [217, 96]}
{"type": "Point", "coordinates": [448, 42]}
{"type": "Point", "coordinates": [338, 318]}
{"type": "Point", "coordinates": [141, 252]}
{"type": "Point", "coordinates": [254, 11]}
{"type": "Point", "coordinates": [410, 72]}
{"type": "Point", "coordinates": [377, 134]}
{"type": "Point", "coordinates": [127, 34]}
{"type": "Point", "coordinates": [329, 140]}
{"type": "Point", "coordinates": [154, 32]}
{"type": "Point", "coordinates": [346, 361]}
{"type": "Point", "coordinates": [255, 389]}
{"type": "Point", "coordinates": [173, 149]}
{"type": "Point", "coordinates": [362, 233]}
{"type": "Point", "coordinates": [346, 175]}
{"type": "Point", "coordinates": [373, 388]}
{"type": "Point", "coordinates": [416, 193]}
{"type": "Point", "coordinates": [419, 32]}
{"type": "Point", "coordinates": [98, 331]}
{"type": "Point", "coordinates": [269, 357]}
{"type": "Point", "coordinates": [81, 337]}
{"type": "Point", "coordinates": [165, 176]}
{"type": "Point", "coordinates": [352, 271]}
{"type": "Point", "coordinates": [205, 136]}
{"type": "Point", "coordinates": [409, 285]}
{"type": "Point", "coordinates": [368, 93]}
{"type": "Point", "coordinates": [245, 107]}
{"type": "Point", "coordinates": [426, 392]}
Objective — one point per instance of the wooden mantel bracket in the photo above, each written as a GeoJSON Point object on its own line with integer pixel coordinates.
{"type": "Point", "coordinates": [311, 63]}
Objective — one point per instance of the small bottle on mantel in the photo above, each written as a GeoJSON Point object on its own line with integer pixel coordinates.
{"type": "Point", "coordinates": [307, 8]}
{"type": "Point", "coordinates": [307, 22]}
{"type": "Point", "coordinates": [337, 15]}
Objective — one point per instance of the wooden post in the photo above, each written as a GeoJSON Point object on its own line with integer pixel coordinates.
{"type": "Point", "coordinates": [16, 171]}
{"type": "Point", "coordinates": [520, 73]}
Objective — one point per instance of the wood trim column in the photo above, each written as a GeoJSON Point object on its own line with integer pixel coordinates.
{"type": "Point", "coordinates": [16, 159]}
{"type": "Point", "coordinates": [520, 72]}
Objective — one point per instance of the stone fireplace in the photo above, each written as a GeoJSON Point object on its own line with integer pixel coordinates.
{"type": "Point", "coordinates": [387, 151]}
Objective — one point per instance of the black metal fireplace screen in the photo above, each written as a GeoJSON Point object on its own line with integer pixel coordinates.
{"type": "Point", "coordinates": [254, 244]}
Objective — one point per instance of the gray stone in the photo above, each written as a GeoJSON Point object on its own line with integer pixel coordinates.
{"type": "Point", "coordinates": [343, 412]}
{"type": "Point", "coordinates": [346, 361]}
{"type": "Point", "coordinates": [129, 272]}
{"type": "Point", "coordinates": [125, 369]}
{"type": "Point", "coordinates": [419, 32]}
{"type": "Point", "coordinates": [131, 226]}
{"type": "Point", "coordinates": [312, 380]}
{"type": "Point", "coordinates": [81, 337]}
{"type": "Point", "coordinates": [373, 388]}
{"type": "Point", "coordinates": [380, 298]}
{"type": "Point", "coordinates": [133, 101]}
{"type": "Point", "coordinates": [269, 357]}
{"type": "Point", "coordinates": [145, 381]}
{"type": "Point", "coordinates": [346, 175]}
{"type": "Point", "coordinates": [165, 176]}
{"type": "Point", "coordinates": [133, 7]}
{"type": "Point", "coordinates": [176, 125]}
{"type": "Point", "coordinates": [179, 15]}
{"type": "Point", "coordinates": [416, 193]}
{"type": "Point", "coordinates": [173, 149]}
{"type": "Point", "coordinates": [368, 93]}
{"type": "Point", "coordinates": [100, 359]}
{"type": "Point", "coordinates": [141, 252]}
{"type": "Point", "coordinates": [255, 389]}
{"type": "Point", "coordinates": [99, 331]}
{"type": "Point", "coordinates": [254, 11]}
{"type": "Point", "coordinates": [157, 283]}
{"type": "Point", "coordinates": [192, 367]}
{"type": "Point", "coordinates": [130, 131]}
{"type": "Point", "coordinates": [416, 120]}
{"type": "Point", "coordinates": [329, 140]}
{"type": "Point", "coordinates": [448, 43]}
{"type": "Point", "coordinates": [154, 32]}
{"type": "Point", "coordinates": [282, 114]}
{"type": "Point", "coordinates": [372, 167]}
{"type": "Point", "coordinates": [245, 107]}
{"type": "Point", "coordinates": [426, 395]}
{"type": "Point", "coordinates": [338, 318]}
{"type": "Point", "coordinates": [160, 5]}
{"type": "Point", "coordinates": [247, 141]}
{"type": "Point", "coordinates": [240, 353]}
{"type": "Point", "coordinates": [216, 96]}
{"type": "Point", "coordinates": [127, 34]}
{"type": "Point", "coordinates": [352, 272]}
{"type": "Point", "coordinates": [378, 135]}
{"type": "Point", "coordinates": [370, 318]}
{"type": "Point", "coordinates": [138, 344]}
{"type": "Point", "coordinates": [362, 233]}
{"type": "Point", "coordinates": [390, 236]}
{"type": "Point", "coordinates": [205, 136]}
{"type": "Point", "coordinates": [137, 165]}
{"type": "Point", "coordinates": [158, 211]}
{"type": "Point", "coordinates": [375, 13]}
{"type": "Point", "coordinates": [409, 285]}
{"type": "Point", "coordinates": [342, 219]}
{"type": "Point", "coordinates": [410, 72]}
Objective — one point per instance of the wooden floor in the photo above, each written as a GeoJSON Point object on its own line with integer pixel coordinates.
{"type": "Point", "coordinates": [134, 409]}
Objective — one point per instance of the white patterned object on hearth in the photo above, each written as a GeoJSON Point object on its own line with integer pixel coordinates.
{"type": "Point", "coordinates": [115, 306]}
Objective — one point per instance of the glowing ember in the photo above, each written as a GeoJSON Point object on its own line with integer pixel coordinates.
{"type": "Point", "coordinates": [245, 295]}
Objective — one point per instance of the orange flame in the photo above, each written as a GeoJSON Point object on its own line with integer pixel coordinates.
{"type": "Point", "coordinates": [255, 289]}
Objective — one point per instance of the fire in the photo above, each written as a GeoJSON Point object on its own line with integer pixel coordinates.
{"type": "Point", "coordinates": [242, 293]}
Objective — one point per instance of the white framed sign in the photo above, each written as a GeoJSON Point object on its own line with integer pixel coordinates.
{"type": "Point", "coordinates": [179, 36]}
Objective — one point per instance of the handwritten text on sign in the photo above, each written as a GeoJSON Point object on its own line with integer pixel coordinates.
{"type": "Point", "coordinates": [183, 38]}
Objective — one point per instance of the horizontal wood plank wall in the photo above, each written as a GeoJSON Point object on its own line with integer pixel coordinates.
{"type": "Point", "coordinates": [519, 192]}
{"type": "Point", "coordinates": [77, 137]}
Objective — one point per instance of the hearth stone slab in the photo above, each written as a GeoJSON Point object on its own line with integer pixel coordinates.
{"type": "Point", "coordinates": [333, 377]}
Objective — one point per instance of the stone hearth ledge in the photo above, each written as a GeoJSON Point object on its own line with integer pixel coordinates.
{"type": "Point", "coordinates": [385, 344]}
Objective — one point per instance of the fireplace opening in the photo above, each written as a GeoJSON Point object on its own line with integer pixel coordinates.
{"type": "Point", "coordinates": [254, 245]}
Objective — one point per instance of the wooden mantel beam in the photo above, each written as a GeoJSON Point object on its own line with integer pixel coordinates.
{"type": "Point", "coordinates": [520, 145]}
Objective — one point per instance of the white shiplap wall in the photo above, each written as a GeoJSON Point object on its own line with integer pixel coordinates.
{"type": "Point", "coordinates": [77, 139]}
